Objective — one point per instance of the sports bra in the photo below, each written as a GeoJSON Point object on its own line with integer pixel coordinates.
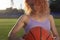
{"type": "Point", "coordinates": [33, 23]}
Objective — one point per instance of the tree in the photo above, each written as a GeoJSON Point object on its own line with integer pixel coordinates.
{"type": "Point", "coordinates": [12, 3]}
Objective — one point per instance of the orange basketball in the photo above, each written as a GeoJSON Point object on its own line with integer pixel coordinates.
{"type": "Point", "coordinates": [37, 33]}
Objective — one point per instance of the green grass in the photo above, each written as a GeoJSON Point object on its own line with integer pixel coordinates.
{"type": "Point", "coordinates": [5, 27]}
{"type": "Point", "coordinates": [7, 24]}
{"type": "Point", "coordinates": [57, 22]}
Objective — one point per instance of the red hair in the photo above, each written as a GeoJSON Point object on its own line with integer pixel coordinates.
{"type": "Point", "coordinates": [42, 6]}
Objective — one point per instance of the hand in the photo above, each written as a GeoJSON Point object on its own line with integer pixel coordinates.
{"type": "Point", "coordinates": [56, 38]}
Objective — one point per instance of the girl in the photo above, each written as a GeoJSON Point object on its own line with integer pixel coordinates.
{"type": "Point", "coordinates": [37, 13]}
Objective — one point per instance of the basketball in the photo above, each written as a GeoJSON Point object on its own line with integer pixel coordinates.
{"type": "Point", "coordinates": [37, 33]}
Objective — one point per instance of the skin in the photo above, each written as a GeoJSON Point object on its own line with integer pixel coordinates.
{"type": "Point", "coordinates": [53, 27]}
{"type": "Point", "coordinates": [22, 22]}
{"type": "Point", "coordinates": [24, 19]}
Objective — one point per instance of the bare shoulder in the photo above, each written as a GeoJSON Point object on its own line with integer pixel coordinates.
{"type": "Point", "coordinates": [51, 18]}
{"type": "Point", "coordinates": [23, 18]}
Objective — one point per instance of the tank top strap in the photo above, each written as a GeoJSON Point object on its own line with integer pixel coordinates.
{"type": "Point", "coordinates": [30, 18]}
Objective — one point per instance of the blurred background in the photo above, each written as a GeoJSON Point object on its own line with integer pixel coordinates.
{"type": "Point", "coordinates": [11, 10]}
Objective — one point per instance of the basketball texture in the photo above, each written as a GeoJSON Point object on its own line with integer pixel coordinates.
{"type": "Point", "coordinates": [37, 33]}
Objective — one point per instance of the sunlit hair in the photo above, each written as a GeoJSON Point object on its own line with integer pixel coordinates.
{"type": "Point", "coordinates": [32, 5]}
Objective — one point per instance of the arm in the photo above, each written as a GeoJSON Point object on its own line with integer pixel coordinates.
{"type": "Point", "coordinates": [16, 28]}
{"type": "Point", "coordinates": [53, 28]}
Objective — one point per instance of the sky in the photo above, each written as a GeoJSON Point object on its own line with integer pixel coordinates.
{"type": "Point", "coordinates": [7, 3]}
{"type": "Point", "coordinates": [19, 4]}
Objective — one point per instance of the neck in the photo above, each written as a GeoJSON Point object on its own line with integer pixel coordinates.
{"type": "Point", "coordinates": [38, 15]}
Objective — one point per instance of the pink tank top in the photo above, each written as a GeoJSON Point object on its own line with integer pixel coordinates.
{"type": "Point", "coordinates": [33, 23]}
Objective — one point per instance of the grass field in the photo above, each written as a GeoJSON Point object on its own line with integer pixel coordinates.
{"type": "Point", "coordinates": [7, 24]}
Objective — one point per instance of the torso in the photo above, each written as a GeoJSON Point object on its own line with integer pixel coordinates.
{"type": "Point", "coordinates": [31, 23]}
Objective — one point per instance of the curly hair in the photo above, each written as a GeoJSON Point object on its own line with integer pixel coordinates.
{"type": "Point", "coordinates": [41, 6]}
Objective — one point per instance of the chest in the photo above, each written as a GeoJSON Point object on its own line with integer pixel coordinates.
{"type": "Point", "coordinates": [33, 23]}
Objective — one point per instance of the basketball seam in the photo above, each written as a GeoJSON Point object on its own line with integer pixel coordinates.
{"type": "Point", "coordinates": [40, 33]}
{"type": "Point", "coordinates": [32, 35]}
{"type": "Point", "coordinates": [47, 37]}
